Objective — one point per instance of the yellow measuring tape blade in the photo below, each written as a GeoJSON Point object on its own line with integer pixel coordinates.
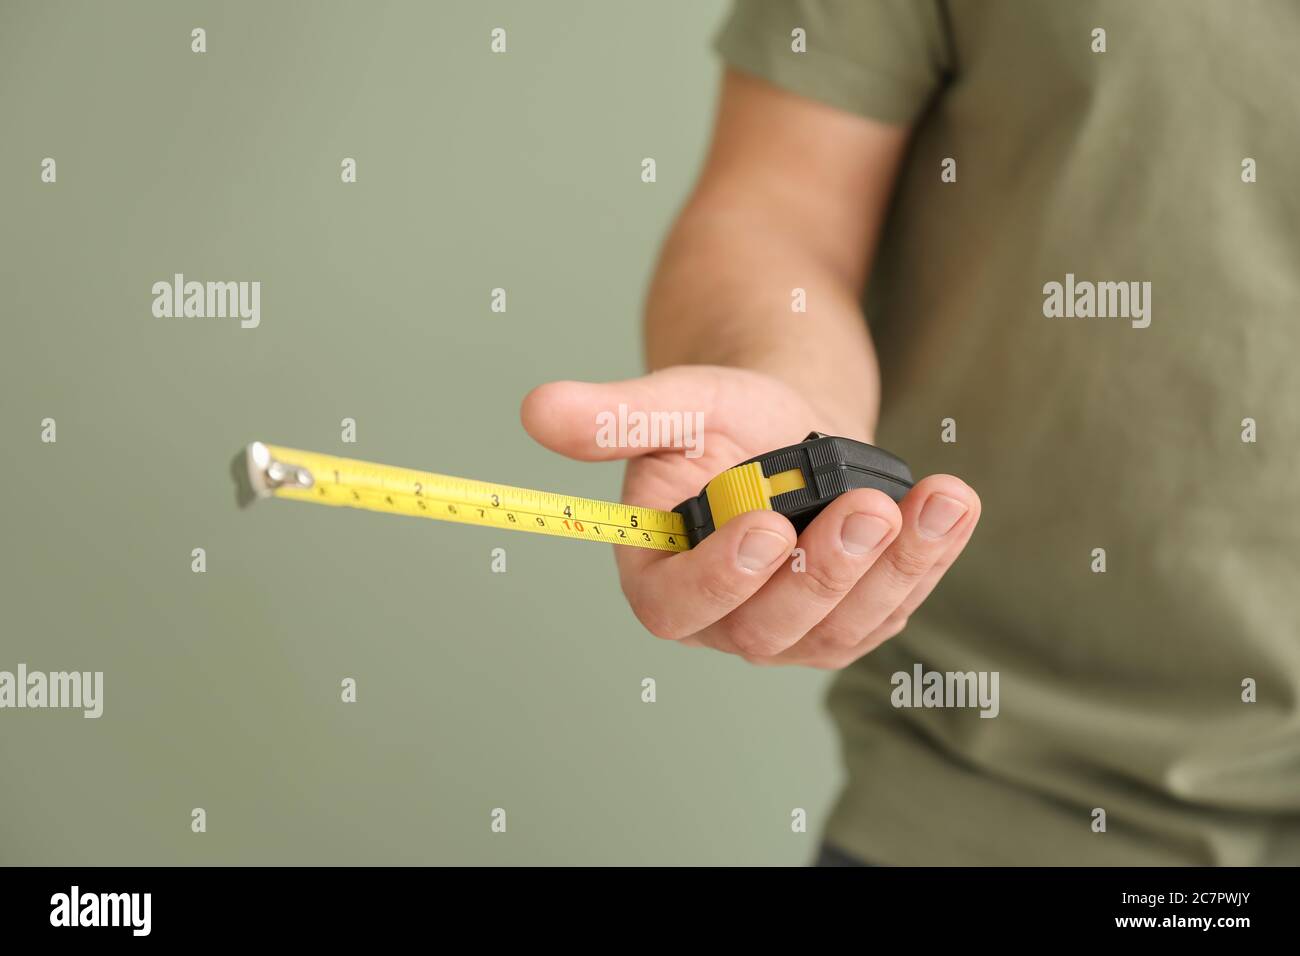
{"type": "Point", "coordinates": [344, 482]}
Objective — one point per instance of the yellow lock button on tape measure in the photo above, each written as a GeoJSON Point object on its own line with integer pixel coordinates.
{"type": "Point", "coordinates": [797, 481]}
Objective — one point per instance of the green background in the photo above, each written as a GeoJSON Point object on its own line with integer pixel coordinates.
{"type": "Point", "coordinates": [475, 690]}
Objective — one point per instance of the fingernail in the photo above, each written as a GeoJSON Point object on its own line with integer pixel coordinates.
{"type": "Point", "coordinates": [939, 515]}
{"type": "Point", "coordinates": [759, 548]}
{"type": "Point", "coordinates": [862, 532]}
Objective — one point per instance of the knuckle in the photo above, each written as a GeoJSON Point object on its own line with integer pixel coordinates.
{"type": "Point", "coordinates": [751, 641]}
{"type": "Point", "coordinates": [721, 590]}
{"type": "Point", "coordinates": [839, 633]}
{"type": "Point", "coordinates": [828, 582]}
{"type": "Point", "coordinates": [906, 565]}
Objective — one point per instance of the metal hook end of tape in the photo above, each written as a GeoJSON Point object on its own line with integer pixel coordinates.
{"type": "Point", "coordinates": [258, 474]}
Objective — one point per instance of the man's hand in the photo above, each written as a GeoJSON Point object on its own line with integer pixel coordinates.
{"type": "Point", "coordinates": [869, 562]}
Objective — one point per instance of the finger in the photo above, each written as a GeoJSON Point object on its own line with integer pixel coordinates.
{"type": "Point", "coordinates": [587, 420]}
{"type": "Point", "coordinates": [896, 621]}
{"type": "Point", "coordinates": [685, 593]}
{"type": "Point", "coordinates": [935, 513]}
{"type": "Point", "coordinates": [838, 548]}
{"type": "Point", "coordinates": [820, 653]}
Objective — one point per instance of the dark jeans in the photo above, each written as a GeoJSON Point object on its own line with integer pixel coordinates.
{"type": "Point", "coordinates": [834, 856]}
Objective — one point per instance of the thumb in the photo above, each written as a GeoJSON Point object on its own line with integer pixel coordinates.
{"type": "Point", "coordinates": [603, 421]}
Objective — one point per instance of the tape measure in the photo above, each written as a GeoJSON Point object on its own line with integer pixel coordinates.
{"type": "Point", "coordinates": [797, 481]}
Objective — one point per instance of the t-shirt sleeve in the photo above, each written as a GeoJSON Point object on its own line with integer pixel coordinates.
{"type": "Point", "coordinates": [883, 59]}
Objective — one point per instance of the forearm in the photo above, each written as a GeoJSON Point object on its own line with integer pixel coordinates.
{"type": "Point", "coordinates": [723, 294]}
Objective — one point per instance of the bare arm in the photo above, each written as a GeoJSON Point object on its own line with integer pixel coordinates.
{"type": "Point", "coordinates": [792, 196]}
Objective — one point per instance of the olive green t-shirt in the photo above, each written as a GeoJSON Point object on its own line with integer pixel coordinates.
{"type": "Point", "coordinates": [1087, 305]}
